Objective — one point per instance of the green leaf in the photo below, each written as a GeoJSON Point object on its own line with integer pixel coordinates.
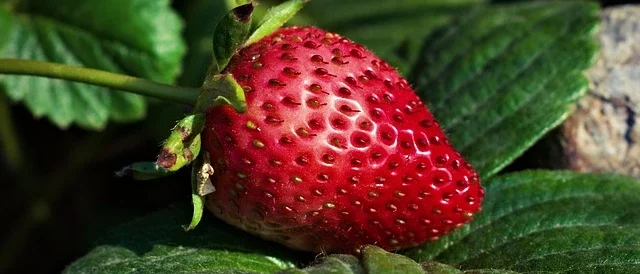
{"type": "Point", "coordinates": [275, 18]}
{"type": "Point", "coordinates": [6, 26]}
{"type": "Point", "coordinates": [135, 37]}
{"type": "Point", "coordinates": [551, 222]}
{"type": "Point", "coordinates": [337, 263]}
{"type": "Point", "coordinates": [230, 34]}
{"type": "Point", "coordinates": [438, 268]}
{"type": "Point", "coordinates": [494, 60]}
{"type": "Point", "coordinates": [157, 244]}
{"type": "Point", "coordinates": [487, 271]}
{"type": "Point", "coordinates": [504, 75]}
{"type": "Point", "coordinates": [394, 30]}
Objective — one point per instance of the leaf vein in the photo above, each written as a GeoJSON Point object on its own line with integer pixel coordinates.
{"type": "Point", "coordinates": [499, 120]}
{"type": "Point", "coordinates": [506, 49]}
{"type": "Point", "coordinates": [488, 250]}
{"type": "Point", "coordinates": [99, 36]}
{"type": "Point", "coordinates": [521, 72]}
{"type": "Point", "coordinates": [511, 211]}
{"type": "Point", "coordinates": [603, 264]}
{"type": "Point", "coordinates": [496, 29]}
{"type": "Point", "coordinates": [633, 247]}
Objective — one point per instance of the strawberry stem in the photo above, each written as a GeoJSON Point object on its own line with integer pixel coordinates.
{"type": "Point", "coordinates": [96, 77]}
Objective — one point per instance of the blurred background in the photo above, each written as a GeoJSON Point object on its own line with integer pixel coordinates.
{"type": "Point", "coordinates": [58, 190]}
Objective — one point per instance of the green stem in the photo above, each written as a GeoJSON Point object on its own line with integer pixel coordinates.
{"type": "Point", "coordinates": [100, 78]}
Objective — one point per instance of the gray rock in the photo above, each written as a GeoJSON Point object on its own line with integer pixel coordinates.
{"type": "Point", "coordinates": [602, 134]}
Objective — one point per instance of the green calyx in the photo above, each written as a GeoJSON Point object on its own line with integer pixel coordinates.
{"type": "Point", "coordinates": [229, 35]}
{"type": "Point", "coordinates": [275, 18]}
{"type": "Point", "coordinates": [183, 145]}
{"type": "Point", "coordinates": [232, 32]}
{"type": "Point", "coordinates": [221, 89]}
{"type": "Point", "coordinates": [179, 149]}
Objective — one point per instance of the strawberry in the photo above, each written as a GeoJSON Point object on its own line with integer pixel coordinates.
{"type": "Point", "coordinates": [334, 151]}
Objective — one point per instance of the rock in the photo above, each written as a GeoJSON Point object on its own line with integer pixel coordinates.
{"type": "Point", "coordinates": [602, 134]}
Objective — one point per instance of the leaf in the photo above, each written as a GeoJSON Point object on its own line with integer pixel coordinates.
{"type": "Point", "coordinates": [158, 244]}
{"type": "Point", "coordinates": [496, 58]}
{"type": "Point", "coordinates": [504, 75]}
{"type": "Point", "coordinates": [438, 268]}
{"type": "Point", "coordinates": [135, 37]}
{"type": "Point", "coordinates": [275, 18]}
{"type": "Point", "coordinates": [489, 271]}
{"type": "Point", "coordinates": [7, 26]}
{"type": "Point", "coordinates": [337, 263]}
{"type": "Point", "coordinates": [230, 34]}
{"type": "Point", "coordinates": [394, 30]}
{"type": "Point", "coordinates": [551, 222]}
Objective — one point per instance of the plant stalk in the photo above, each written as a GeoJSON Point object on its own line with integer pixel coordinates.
{"type": "Point", "coordinates": [117, 81]}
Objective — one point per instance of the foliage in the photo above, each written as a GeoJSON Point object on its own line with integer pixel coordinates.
{"type": "Point", "coordinates": [81, 33]}
{"type": "Point", "coordinates": [496, 76]}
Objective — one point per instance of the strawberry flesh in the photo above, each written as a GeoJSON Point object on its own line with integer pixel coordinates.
{"type": "Point", "coordinates": [334, 151]}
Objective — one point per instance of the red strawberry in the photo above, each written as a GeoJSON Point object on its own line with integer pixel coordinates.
{"type": "Point", "coordinates": [334, 151]}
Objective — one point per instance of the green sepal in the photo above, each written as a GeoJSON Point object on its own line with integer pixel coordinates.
{"type": "Point", "coordinates": [144, 171]}
{"type": "Point", "coordinates": [183, 144]}
{"type": "Point", "coordinates": [229, 35]}
{"type": "Point", "coordinates": [200, 187]}
{"type": "Point", "coordinates": [275, 18]}
{"type": "Point", "coordinates": [198, 208]}
{"type": "Point", "coordinates": [221, 89]}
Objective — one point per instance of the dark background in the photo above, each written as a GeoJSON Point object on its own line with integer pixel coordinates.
{"type": "Point", "coordinates": [64, 193]}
